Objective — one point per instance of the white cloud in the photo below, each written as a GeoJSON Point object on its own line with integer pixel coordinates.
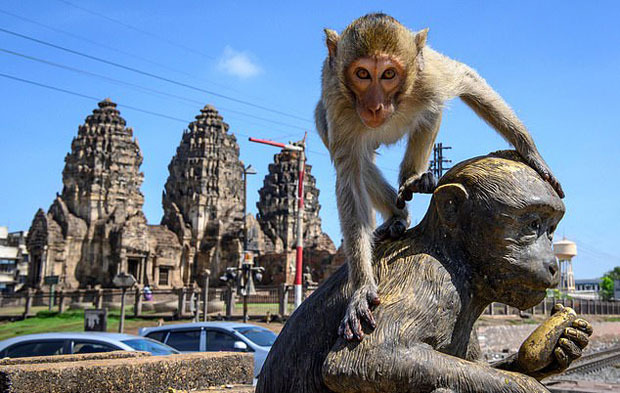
{"type": "Point", "coordinates": [239, 64]}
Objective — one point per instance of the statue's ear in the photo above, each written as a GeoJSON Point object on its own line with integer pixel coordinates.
{"type": "Point", "coordinates": [331, 40]}
{"type": "Point", "coordinates": [449, 199]}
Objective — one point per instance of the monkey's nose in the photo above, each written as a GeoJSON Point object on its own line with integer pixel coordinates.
{"type": "Point", "coordinates": [375, 110]}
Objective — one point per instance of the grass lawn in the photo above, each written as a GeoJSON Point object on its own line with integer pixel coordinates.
{"type": "Point", "coordinates": [71, 321]}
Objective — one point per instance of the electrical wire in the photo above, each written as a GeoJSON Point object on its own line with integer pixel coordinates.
{"type": "Point", "coordinates": [132, 27]}
{"type": "Point", "coordinates": [139, 87]}
{"type": "Point", "coordinates": [151, 75]}
{"type": "Point", "coordinates": [111, 48]}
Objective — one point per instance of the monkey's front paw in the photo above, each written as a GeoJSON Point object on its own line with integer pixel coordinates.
{"type": "Point", "coordinates": [358, 311]}
{"type": "Point", "coordinates": [537, 163]}
{"type": "Point", "coordinates": [423, 184]}
{"type": "Point", "coordinates": [393, 228]}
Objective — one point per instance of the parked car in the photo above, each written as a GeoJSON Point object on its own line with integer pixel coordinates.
{"type": "Point", "coordinates": [216, 336]}
{"type": "Point", "coordinates": [47, 344]}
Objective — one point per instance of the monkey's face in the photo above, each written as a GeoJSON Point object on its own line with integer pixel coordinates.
{"type": "Point", "coordinates": [375, 82]}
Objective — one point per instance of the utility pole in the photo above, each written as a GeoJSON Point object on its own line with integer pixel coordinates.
{"type": "Point", "coordinates": [301, 160]}
{"type": "Point", "coordinates": [246, 171]}
{"type": "Point", "coordinates": [436, 164]}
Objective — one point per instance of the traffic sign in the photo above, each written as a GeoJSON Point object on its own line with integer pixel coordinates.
{"type": "Point", "coordinates": [50, 280]}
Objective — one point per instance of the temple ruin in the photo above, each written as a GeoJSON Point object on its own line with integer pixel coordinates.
{"type": "Point", "coordinates": [96, 228]}
{"type": "Point", "coordinates": [277, 212]}
{"type": "Point", "coordinates": [203, 197]}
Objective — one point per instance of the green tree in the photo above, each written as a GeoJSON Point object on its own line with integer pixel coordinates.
{"type": "Point", "coordinates": [607, 283]}
{"type": "Point", "coordinates": [607, 288]}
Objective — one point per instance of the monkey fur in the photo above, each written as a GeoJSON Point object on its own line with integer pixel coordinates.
{"type": "Point", "coordinates": [486, 237]}
{"type": "Point", "coordinates": [380, 82]}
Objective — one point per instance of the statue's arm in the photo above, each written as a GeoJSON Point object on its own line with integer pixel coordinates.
{"type": "Point", "coordinates": [415, 369]}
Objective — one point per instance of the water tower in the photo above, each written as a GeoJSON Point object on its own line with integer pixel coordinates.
{"type": "Point", "coordinates": [565, 250]}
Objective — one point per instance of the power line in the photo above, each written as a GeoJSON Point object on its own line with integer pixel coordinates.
{"type": "Point", "coordinates": [131, 27]}
{"type": "Point", "coordinates": [151, 75]}
{"type": "Point", "coordinates": [73, 93]}
{"type": "Point", "coordinates": [110, 48]}
{"type": "Point", "coordinates": [138, 87]}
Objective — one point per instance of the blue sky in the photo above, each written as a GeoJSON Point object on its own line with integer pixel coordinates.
{"type": "Point", "coordinates": [557, 63]}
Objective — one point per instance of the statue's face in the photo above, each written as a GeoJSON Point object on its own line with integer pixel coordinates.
{"type": "Point", "coordinates": [513, 250]}
{"type": "Point", "coordinates": [501, 214]}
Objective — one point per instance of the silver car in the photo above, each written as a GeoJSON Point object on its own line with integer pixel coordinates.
{"type": "Point", "coordinates": [47, 344]}
{"type": "Point", "coordinates": [216, 336]}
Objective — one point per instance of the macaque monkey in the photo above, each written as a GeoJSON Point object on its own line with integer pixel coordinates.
{"type": "Point", "coordinates": [380, 82]}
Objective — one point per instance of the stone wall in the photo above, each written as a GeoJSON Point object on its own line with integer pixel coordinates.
{"type": "Point", "coordinates": [128, 375]}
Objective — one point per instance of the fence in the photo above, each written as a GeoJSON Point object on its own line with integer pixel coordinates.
{"type": "Point", "coordinates": [224, 303]}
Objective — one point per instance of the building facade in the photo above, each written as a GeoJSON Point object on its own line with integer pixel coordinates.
{"type": "Point", "coordinates": [13, 260]}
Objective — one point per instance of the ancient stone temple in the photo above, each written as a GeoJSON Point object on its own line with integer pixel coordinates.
{"type": "Point", "coordinates": [96, 228]}
{"type": "Point", "coordinates": [203, 197]}
{"type": "Point", "coordinates": [277, 212]}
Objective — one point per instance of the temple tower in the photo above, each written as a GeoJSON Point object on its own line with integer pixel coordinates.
{"type": "Point", "coordinates": [277, 209]}
{"type": "Point", "coordinates": [203, 197]}
{"type": "Point", "coordinates": [95, 228]}
{"type": "Point", "coordinates": [102, 171]}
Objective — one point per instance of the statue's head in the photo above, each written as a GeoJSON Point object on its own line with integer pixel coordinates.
{"type": "Point", "coordinates": [500, 215]}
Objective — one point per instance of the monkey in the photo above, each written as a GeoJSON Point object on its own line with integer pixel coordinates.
{"type": "Point", "coordinates": [380, 82]}
{"type": "Point", "coordinates": [486, 237]}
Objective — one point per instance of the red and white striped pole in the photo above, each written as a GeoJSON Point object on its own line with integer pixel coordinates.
{"type": "Point", "coordinates": [300, 228]}
{"type": "Point", "coordinates": [301, 162]}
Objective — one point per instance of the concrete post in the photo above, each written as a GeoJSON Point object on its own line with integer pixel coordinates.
{"type": "Point", "coordinates": [181, 306]}
{"type": "Point", "coordinates": [230, 302]}
{"type": "Point", "coordinates": [99, 298]}
{"type": "Point", "coordinates": [283, 299]}
{"type": "Point", "coordinates": [137, 305]}
{"type": "Point", "coordinates": [61, 301]}
{"type": "Point", "coordinates": [29, 298]}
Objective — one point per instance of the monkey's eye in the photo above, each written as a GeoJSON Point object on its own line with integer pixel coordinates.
{"type": "Point", "coordinates": [362, 73]}
{"type": "Point", "coordinates": [389, 74]}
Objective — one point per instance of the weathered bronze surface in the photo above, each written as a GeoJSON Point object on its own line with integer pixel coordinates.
{"type": "Point", "coordinates": [486, 237]}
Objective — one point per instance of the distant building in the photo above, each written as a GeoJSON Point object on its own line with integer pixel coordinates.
{"type": "Point", "coordinates": [587, 289]}
{"type": "Point", "coordinates": [277, 213]}
{"type": "Point", "coordinates": [13, 260]}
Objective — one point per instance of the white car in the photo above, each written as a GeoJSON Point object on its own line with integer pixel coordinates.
{"type": "Point", "coordinates": [216, 336]}
{"type": "Point", "coordinates": [48, 344]}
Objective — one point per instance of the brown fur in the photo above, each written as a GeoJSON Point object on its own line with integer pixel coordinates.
{"type": "Point", "coordinates": [431, 80]}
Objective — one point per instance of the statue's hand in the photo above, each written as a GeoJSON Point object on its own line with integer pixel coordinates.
{"type": "Point", "coordinates": [557, 342]}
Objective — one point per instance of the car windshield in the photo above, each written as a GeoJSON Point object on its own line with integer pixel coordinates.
{"type": "Point", "coordinates": [257, 335]}
{"type": "Point", "coordinates": [152, 346]}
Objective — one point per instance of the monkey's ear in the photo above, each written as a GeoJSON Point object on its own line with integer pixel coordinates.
{"type": "Point", "coordinates": [420, 39]}
{"type": "Point", "coordinates": [331, 40]}
{"type": "Point", "coordinates": [449, 199]}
